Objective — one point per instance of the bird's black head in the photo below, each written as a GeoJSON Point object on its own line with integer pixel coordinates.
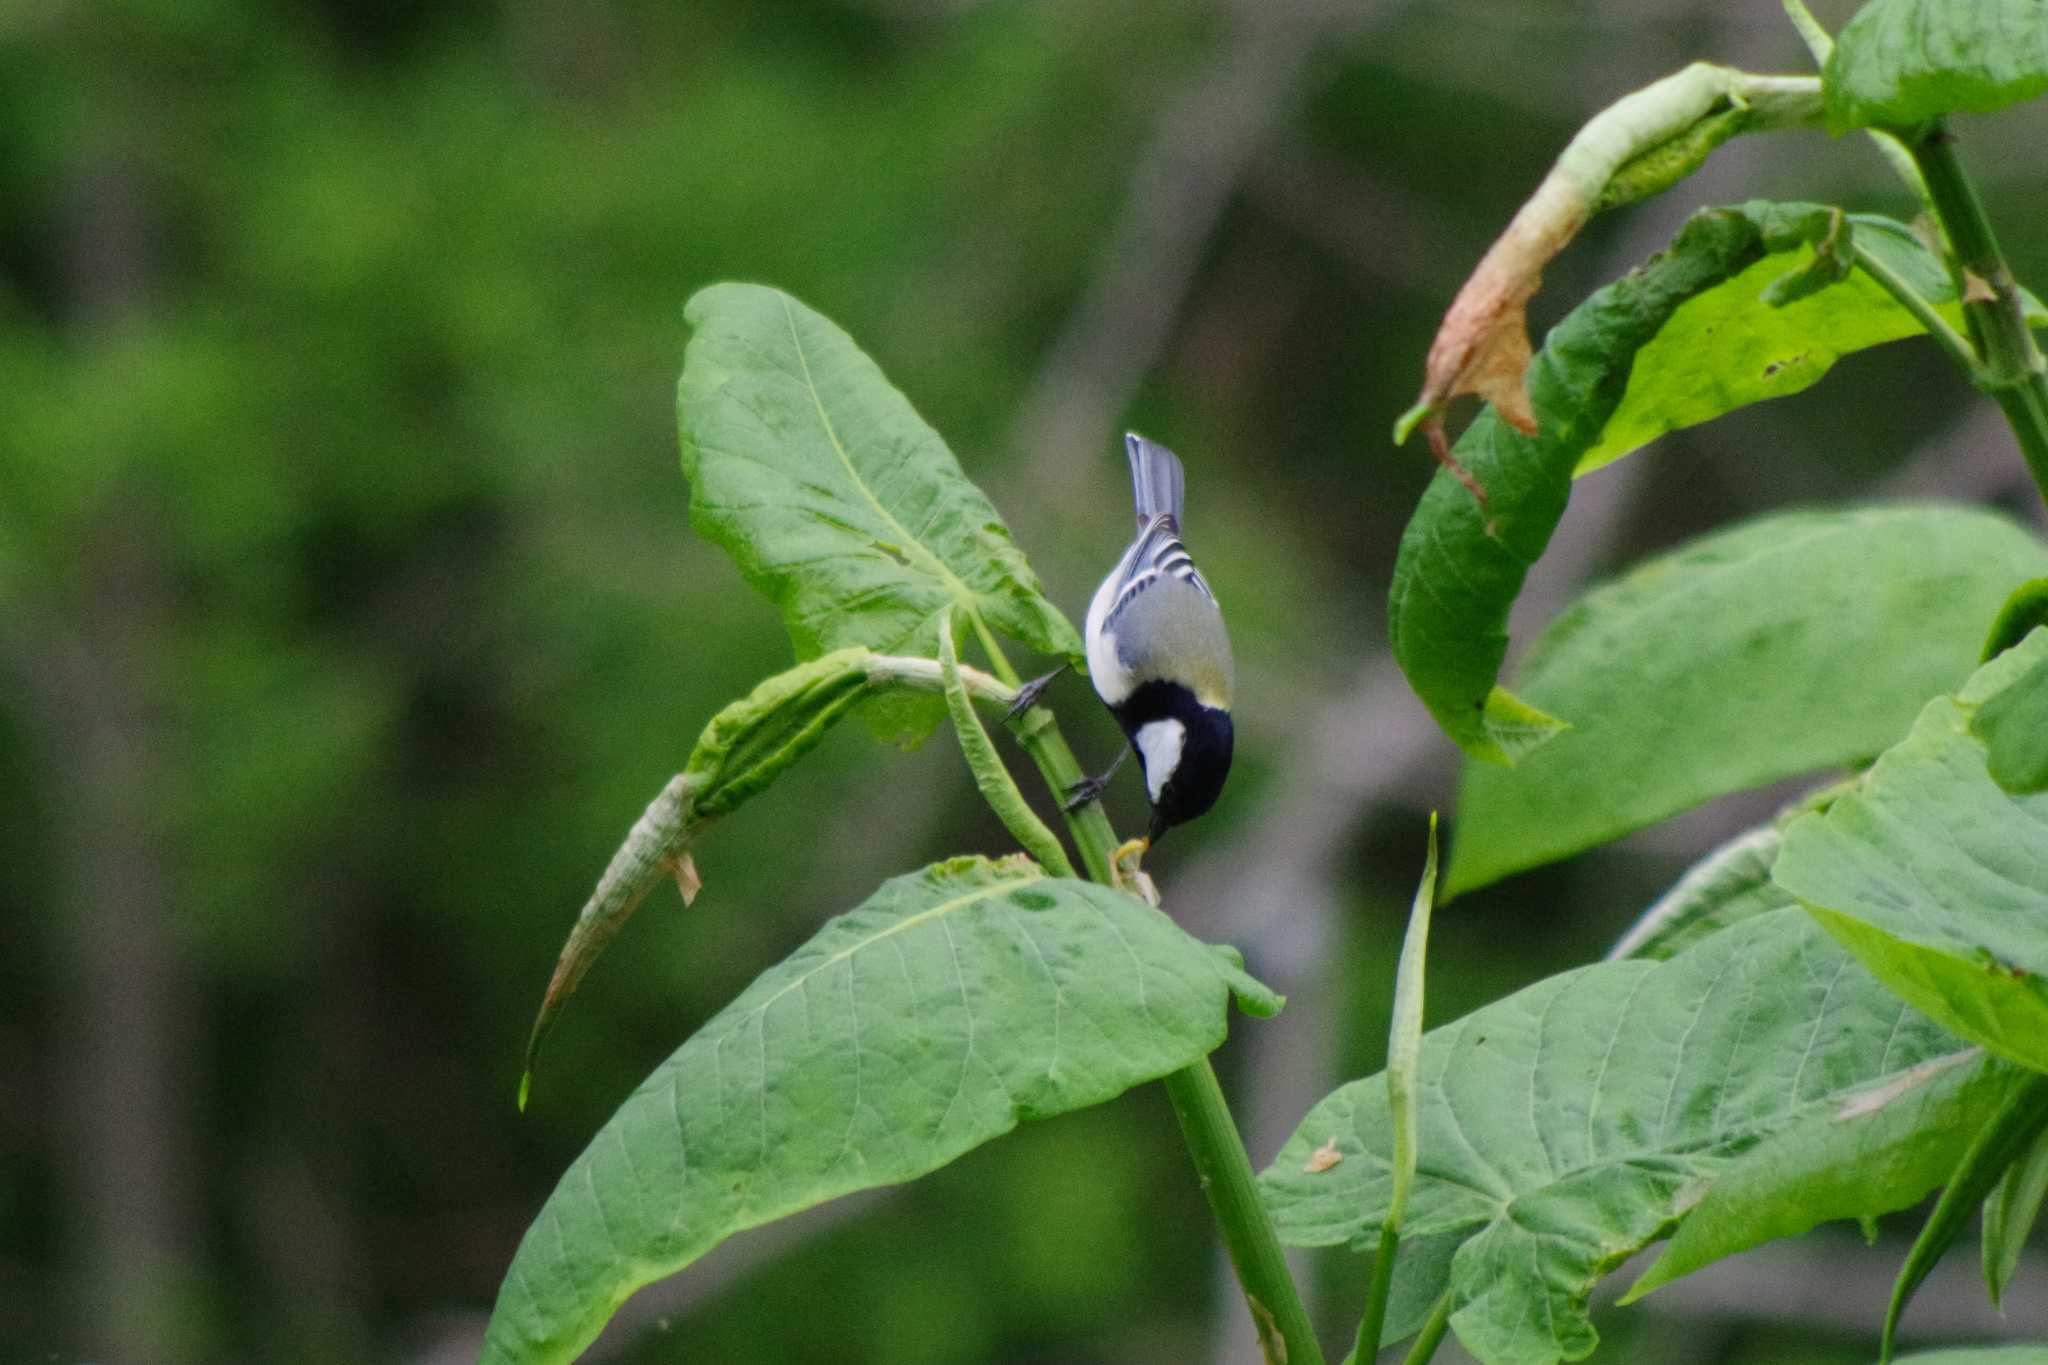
{"type": "Point", "coordinates": [1183, 746]}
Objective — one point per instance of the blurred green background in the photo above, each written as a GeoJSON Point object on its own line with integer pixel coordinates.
{"type": "Point", "coordinates": [349, 611]}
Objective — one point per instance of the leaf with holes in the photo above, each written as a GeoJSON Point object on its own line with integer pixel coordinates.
{"type": "Point", "coordinates": [1571, 1124]}
{"type": "Point", "coordinates": [954, 1004]}
{"type": "Point", "coordinates": [836, 499]}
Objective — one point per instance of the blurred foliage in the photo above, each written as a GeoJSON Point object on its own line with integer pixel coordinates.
{"type": "Point", "coordinates": [349, 613]}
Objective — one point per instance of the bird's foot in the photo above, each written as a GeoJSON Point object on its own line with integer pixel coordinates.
{"type": "Point", "coordinates": [1130, 874]}
{"type": "Point", "coordinates": [1030, 693]}
{"type": "Point", "coordinates": [1086, 790]}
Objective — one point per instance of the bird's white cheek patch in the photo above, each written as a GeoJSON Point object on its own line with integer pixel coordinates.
{"type": "Point", "coordinates": [1159, 744]}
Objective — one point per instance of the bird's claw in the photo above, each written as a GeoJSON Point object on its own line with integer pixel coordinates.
{"type": "Point", "coordinates": [1082, 792]}
{"type": "Point", "coordinates": [1031, 693]}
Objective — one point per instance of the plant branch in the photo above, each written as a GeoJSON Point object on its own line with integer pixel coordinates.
{"type": "Point", "coordinates": [991, 774]}
{"type": "Point", "coordinates": [1913, 301]}
{"type": "Point", "coordinates": [1888, 145]}
{"type": "Point", "coordinates": [2011, 368]}
{"type": "Point", "coordinates": [1373, 1325]}
{"type": "Point", "coordinates": [1226, 1175]}
{"type": "Point", "coordinates": [1432, 1334]}
{"type": "Point", "coordinates": [1221, 1162]}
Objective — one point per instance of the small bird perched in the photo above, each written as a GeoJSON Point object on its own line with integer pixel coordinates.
{"type": "Point", "coordinates": [1159, 656]}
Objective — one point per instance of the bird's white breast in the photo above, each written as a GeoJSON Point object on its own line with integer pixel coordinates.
{"type": "Point", "coordinates": [1159, 744]}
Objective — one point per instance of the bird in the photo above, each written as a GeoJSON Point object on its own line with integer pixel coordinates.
{"type": "Point", "coordinates": [1159, 656]}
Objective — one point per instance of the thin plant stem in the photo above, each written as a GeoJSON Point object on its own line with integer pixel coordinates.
{"type": "Point", "coordinates": [1221, 1162]}
{"type": "Point", "coordinates": [1432, 1334]}
{"type": "Point", "coordinates": [1226, 1175]}
{"type": "Point", "coordinates": [1913, 301]}
{"type": "Point", "coordinates": [2010, 366]}
{"type": "Point", "coordinates": [1374, 1323]}
{"type": "Point", "coordinates": [1888, 145]}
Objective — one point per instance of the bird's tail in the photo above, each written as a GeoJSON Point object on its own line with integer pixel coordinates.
{"type": "Point", "coordinates": [1155, 480]}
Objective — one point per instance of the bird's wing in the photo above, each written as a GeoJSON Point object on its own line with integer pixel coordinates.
{"type": "Point", "coordinates": [1157, 556]}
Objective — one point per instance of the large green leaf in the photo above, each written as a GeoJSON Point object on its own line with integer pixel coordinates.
{"type": "Point", "coordinates": [834, 496]}
{"type": "Point", "coordinates": [951, 1006]}
{"type": "Point", "coordinates": [1572, 1123]}
{"type": "Point", "coordinates": [1936, 878]}
{"type": "Point", "coordinates": [1462, 563]}
{"type": "Point", "coordinates": [1875, 1152]}
{"type": "Point", "coordinates": [1729, 885]}
{"type": "Point", "coordinates": [1981, 1355]}
{"type": "Point", "coordinates": [1900, 62]}
{"type": "Point", "coordinates": [1698, 674]}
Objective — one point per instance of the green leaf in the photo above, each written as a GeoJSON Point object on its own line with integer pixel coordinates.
{"type": "Point", "coordinates": [2013, 727]}
{"type": "Point", "coordinates": [1874, 1152]}
{"type": "Point", "coordinates": [744, 748]}
{"type": "Point", "coordinates": [954, 1004]}
{"type": "Point", "coordinates": [1404, 1063]}
{"type": "Point", "coordinates": [1572, 1123]}
{"type": "Point", "coordinates": [1597, 396]}
{"type": "Point", "coordinates": [1697, 674]}
{"type": "Point", "coordinates": [2001, 1141]}
{"type": "Point", "coordinates": [834, 496]}
{"type": "Point", "coordinates": [1900, 62]}
{"type": "Point", "coordinates": [1981, 1355]}
{"type": "Point", "coordinates": [2009, 1216]}
{"type": "Point", "coordinates": [1729, 885]}
{"type": "Point", "coordinates": [2025, 609]}
{"type": "Point", "coordinates": [753, 741]}
{"type": "Point", "coordinates": [1404, 1034]}
{"type": "Point", "coordinates": [1731, 345]}
{"type": "Point", "coordinates": [1933, 876]}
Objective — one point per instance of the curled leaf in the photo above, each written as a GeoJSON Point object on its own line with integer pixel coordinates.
{"type": "Point", "coordinates": [744, 748]}
{"type": "Point", "coordinates": [1640, 145]}
{"type": "Point", "coordinates": [656, 846]}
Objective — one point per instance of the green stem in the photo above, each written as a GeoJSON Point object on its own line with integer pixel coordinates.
{"type": "Point", "coordinates": [991, 774]}
{"type": "Point", "coordinates": [1038, 734]}
{"type": "Point", "coordinates": [2011, 368]}
{"type": "Point", "coordinates": [1432, 1334]}
{"type": "Point", "coordinates": [1373, 1325]}
{"type": "Point", "coordinates": [1913, 301]}
{"type": "Point", "coordinates": [1221, 1163]}
{"type": "Point", "coordinates": [1226, 1175]}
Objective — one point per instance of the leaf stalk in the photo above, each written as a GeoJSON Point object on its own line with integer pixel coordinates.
{"type": "Point", "coordinates": [1432, 1334]}
{"type": "Point", "coordinates": [1924, 312]}
{"type": "Point", "coordinates": [1214, 1144]}
{"type": "Point", "coordinates": [2010, 367]}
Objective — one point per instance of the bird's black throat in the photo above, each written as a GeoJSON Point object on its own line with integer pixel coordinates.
{"type": "Point", "coordinates": [1197, 778]}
